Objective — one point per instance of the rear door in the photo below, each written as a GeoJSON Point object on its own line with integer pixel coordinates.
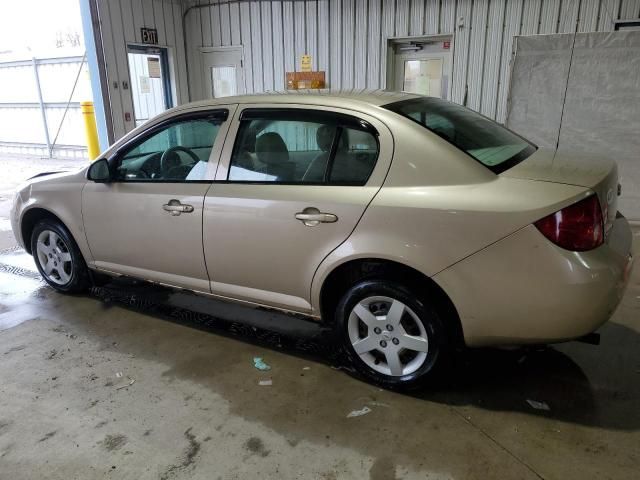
{"type": "Point", "coordinates": [147, 222]}
{"type": "Point", "coordinates": [292, 184]}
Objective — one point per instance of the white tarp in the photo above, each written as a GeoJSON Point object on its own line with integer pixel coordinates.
{"type": "Point", "coordinates": [600, 111]}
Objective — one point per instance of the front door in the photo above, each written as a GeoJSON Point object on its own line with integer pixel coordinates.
{"type": "Point", "coordinates": [421, 67]}
{"type": "Point", "coordinates": [223, 76]}
{"type": "Point", "coordinates": [291, 187]}
{"type": "Point", "coordinates": [147, 222]}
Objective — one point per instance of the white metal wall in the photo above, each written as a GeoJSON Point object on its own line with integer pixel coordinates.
{"type": "Point", "coordinates": [120, 24]}
{"type": "Point", "coordinates": [347, 38]}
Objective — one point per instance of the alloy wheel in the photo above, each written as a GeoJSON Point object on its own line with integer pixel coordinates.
{"type": "Point", "coordinates": [388, 336]}
{"type": "Point", "coordinates": [54, 257]}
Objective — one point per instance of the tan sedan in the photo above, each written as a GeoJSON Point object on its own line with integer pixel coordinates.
{"type": "Point", "coordinates": [409, 224]}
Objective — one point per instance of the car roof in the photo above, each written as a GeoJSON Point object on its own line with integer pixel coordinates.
{"type": "Point", "coordinates": [356, 99]}
{"type": "Point", "coordinates": [327, 97]}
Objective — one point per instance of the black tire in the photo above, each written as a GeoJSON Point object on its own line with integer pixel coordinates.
{"type": "Point", "coordinates": [433, 330]}
{"type": "Point", "coordinates": [78, 273]}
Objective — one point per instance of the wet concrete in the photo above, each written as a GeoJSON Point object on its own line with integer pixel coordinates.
{"type": "Point", "coordinates": [195, 409]}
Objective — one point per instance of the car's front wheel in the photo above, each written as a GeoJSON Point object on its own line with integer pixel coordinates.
{"type": "Point", "coordinates": [389, 334]}
{"type": "Point", "coordinates": [58, 258]}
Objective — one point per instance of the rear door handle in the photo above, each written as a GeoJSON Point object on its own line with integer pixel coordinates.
{"type": "Point", "coordinates": [311, 217]}
{"type": "Point", "coordinates": [174, 207]}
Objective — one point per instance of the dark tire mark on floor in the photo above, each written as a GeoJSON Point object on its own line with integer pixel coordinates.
{"type": "Point", "coordinates": [383, 468]}
{"type": "Point", "coordinates": [188, 457]}
{"type": "Point", "coordinates": [114, 442]}
{"type": "Point", "coordinates": [15, 349]}
{"type": "Point", "coordinates": [47, 436]}
{"type": "Point", "coordinates": [21, 272]}
{"type": "Point", "coordinates": [256, 446]}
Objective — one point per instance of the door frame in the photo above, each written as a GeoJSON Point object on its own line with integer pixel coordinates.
{"type": "Point", "coordinates": [164, 65]}
{"type": "Point", "coordinates": [385, 139]}
{"type": "Point", "coordinates": [390, 74]}
{"type": "Point", "coordinates": [221, 49]}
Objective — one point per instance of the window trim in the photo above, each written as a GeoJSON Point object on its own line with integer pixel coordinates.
{"type": "Point", "coordinates": [310, 115]}
{"type": "Point", "coordinates": [115, 160]}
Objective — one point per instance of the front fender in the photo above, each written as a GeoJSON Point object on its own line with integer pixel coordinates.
{"type": "Point", "coordinates": [60, 196]}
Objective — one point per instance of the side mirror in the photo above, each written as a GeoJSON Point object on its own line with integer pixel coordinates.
{"type": "Point", "coordinates": [99, 171]}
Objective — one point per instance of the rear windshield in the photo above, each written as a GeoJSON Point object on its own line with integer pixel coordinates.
{"type": "Point", "coordinates": [491, 144]}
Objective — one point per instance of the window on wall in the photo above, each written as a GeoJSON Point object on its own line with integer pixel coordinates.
{"type": "Point", "coordinates": [178, 152]}
{"type": "Point", "coordinates": [303, 146]}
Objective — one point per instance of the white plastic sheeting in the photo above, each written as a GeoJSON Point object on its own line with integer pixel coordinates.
{"type": "Point", "coordinates": [582, 93]}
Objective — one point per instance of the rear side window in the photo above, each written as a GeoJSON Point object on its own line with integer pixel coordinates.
{"type": "Point", "coordinates": [493, 145]}
{"type": "Point", "coordinates": [303, 146]}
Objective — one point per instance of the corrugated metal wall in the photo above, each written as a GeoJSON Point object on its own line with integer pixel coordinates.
{"type": "Point", "coordinates": [120, 23]}
{"type": "Point", "coordinates": [348, 38]}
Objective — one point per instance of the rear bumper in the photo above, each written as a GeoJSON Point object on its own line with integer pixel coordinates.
{"type": "Point", "coordinates": [524, 289]}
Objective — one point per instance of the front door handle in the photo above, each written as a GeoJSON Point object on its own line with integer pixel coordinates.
{"type": "Point", "coordinates": [174, 207]}
{"type": "Point", "coordinates": [311, 217]}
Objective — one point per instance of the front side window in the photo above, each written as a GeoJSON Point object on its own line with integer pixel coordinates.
{"type": "Point", "coordinates": [491, 144]}
{"type": "Point", "coordinates": [303, 146]}
{"type": "Point", "coordinates": [178, 152]}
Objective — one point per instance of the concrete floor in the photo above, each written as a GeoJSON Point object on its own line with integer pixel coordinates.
{"type": "Point", "coordinates": [196, 410]}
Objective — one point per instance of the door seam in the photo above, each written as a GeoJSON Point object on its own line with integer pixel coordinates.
{"type": "Point", "coordinates": [204, 197]}
{"type": "Point", "coordinates": [313, 278]}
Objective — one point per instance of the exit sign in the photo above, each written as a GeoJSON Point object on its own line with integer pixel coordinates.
{"type": "Point", "coordinates": [149, 36]}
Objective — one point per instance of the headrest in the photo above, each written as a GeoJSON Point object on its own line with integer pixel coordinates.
{"type": "Point", "coordinates": [270, 148]}
{"type": "Point", "coordinates": [324, 137]}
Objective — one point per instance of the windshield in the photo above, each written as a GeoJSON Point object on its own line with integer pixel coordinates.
{"type": "Point", "coordinates": [491, 144]}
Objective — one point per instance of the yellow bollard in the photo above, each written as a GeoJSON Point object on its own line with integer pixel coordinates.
{"type": "Point", "coordinates": [91, 131]}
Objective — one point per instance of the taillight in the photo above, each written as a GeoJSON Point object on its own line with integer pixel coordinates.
{"type": "Point", "coordinates": [577, 227]}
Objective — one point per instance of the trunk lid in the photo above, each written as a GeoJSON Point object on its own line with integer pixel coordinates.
{"type": "Point", "coordinates": [595, 173]}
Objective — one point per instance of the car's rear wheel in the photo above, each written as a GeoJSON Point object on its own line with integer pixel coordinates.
{"type": "Point", "coordinates": [389, 334]}
{"type": "Point", "coordinates": [58, 258]}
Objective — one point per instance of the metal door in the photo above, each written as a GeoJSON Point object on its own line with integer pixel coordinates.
{"type": "Point", "coordinates": [421, 67]}
{"type": "Point", "coordinates": [222, 70]}
{"type": "Point", "coordinates": [150, 82]}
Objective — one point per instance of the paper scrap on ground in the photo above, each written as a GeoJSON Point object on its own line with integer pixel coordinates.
{"type": "Point", "coordinates": [260, 364]}
{"type": "Point", "coordinates": [359, 413]}
{"type": "Point", "coordinates": [538, 405]}
{"type": "Point", "coordinates": [265, 383]}
{"type": "Point", "coordinates": [127, 382]}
